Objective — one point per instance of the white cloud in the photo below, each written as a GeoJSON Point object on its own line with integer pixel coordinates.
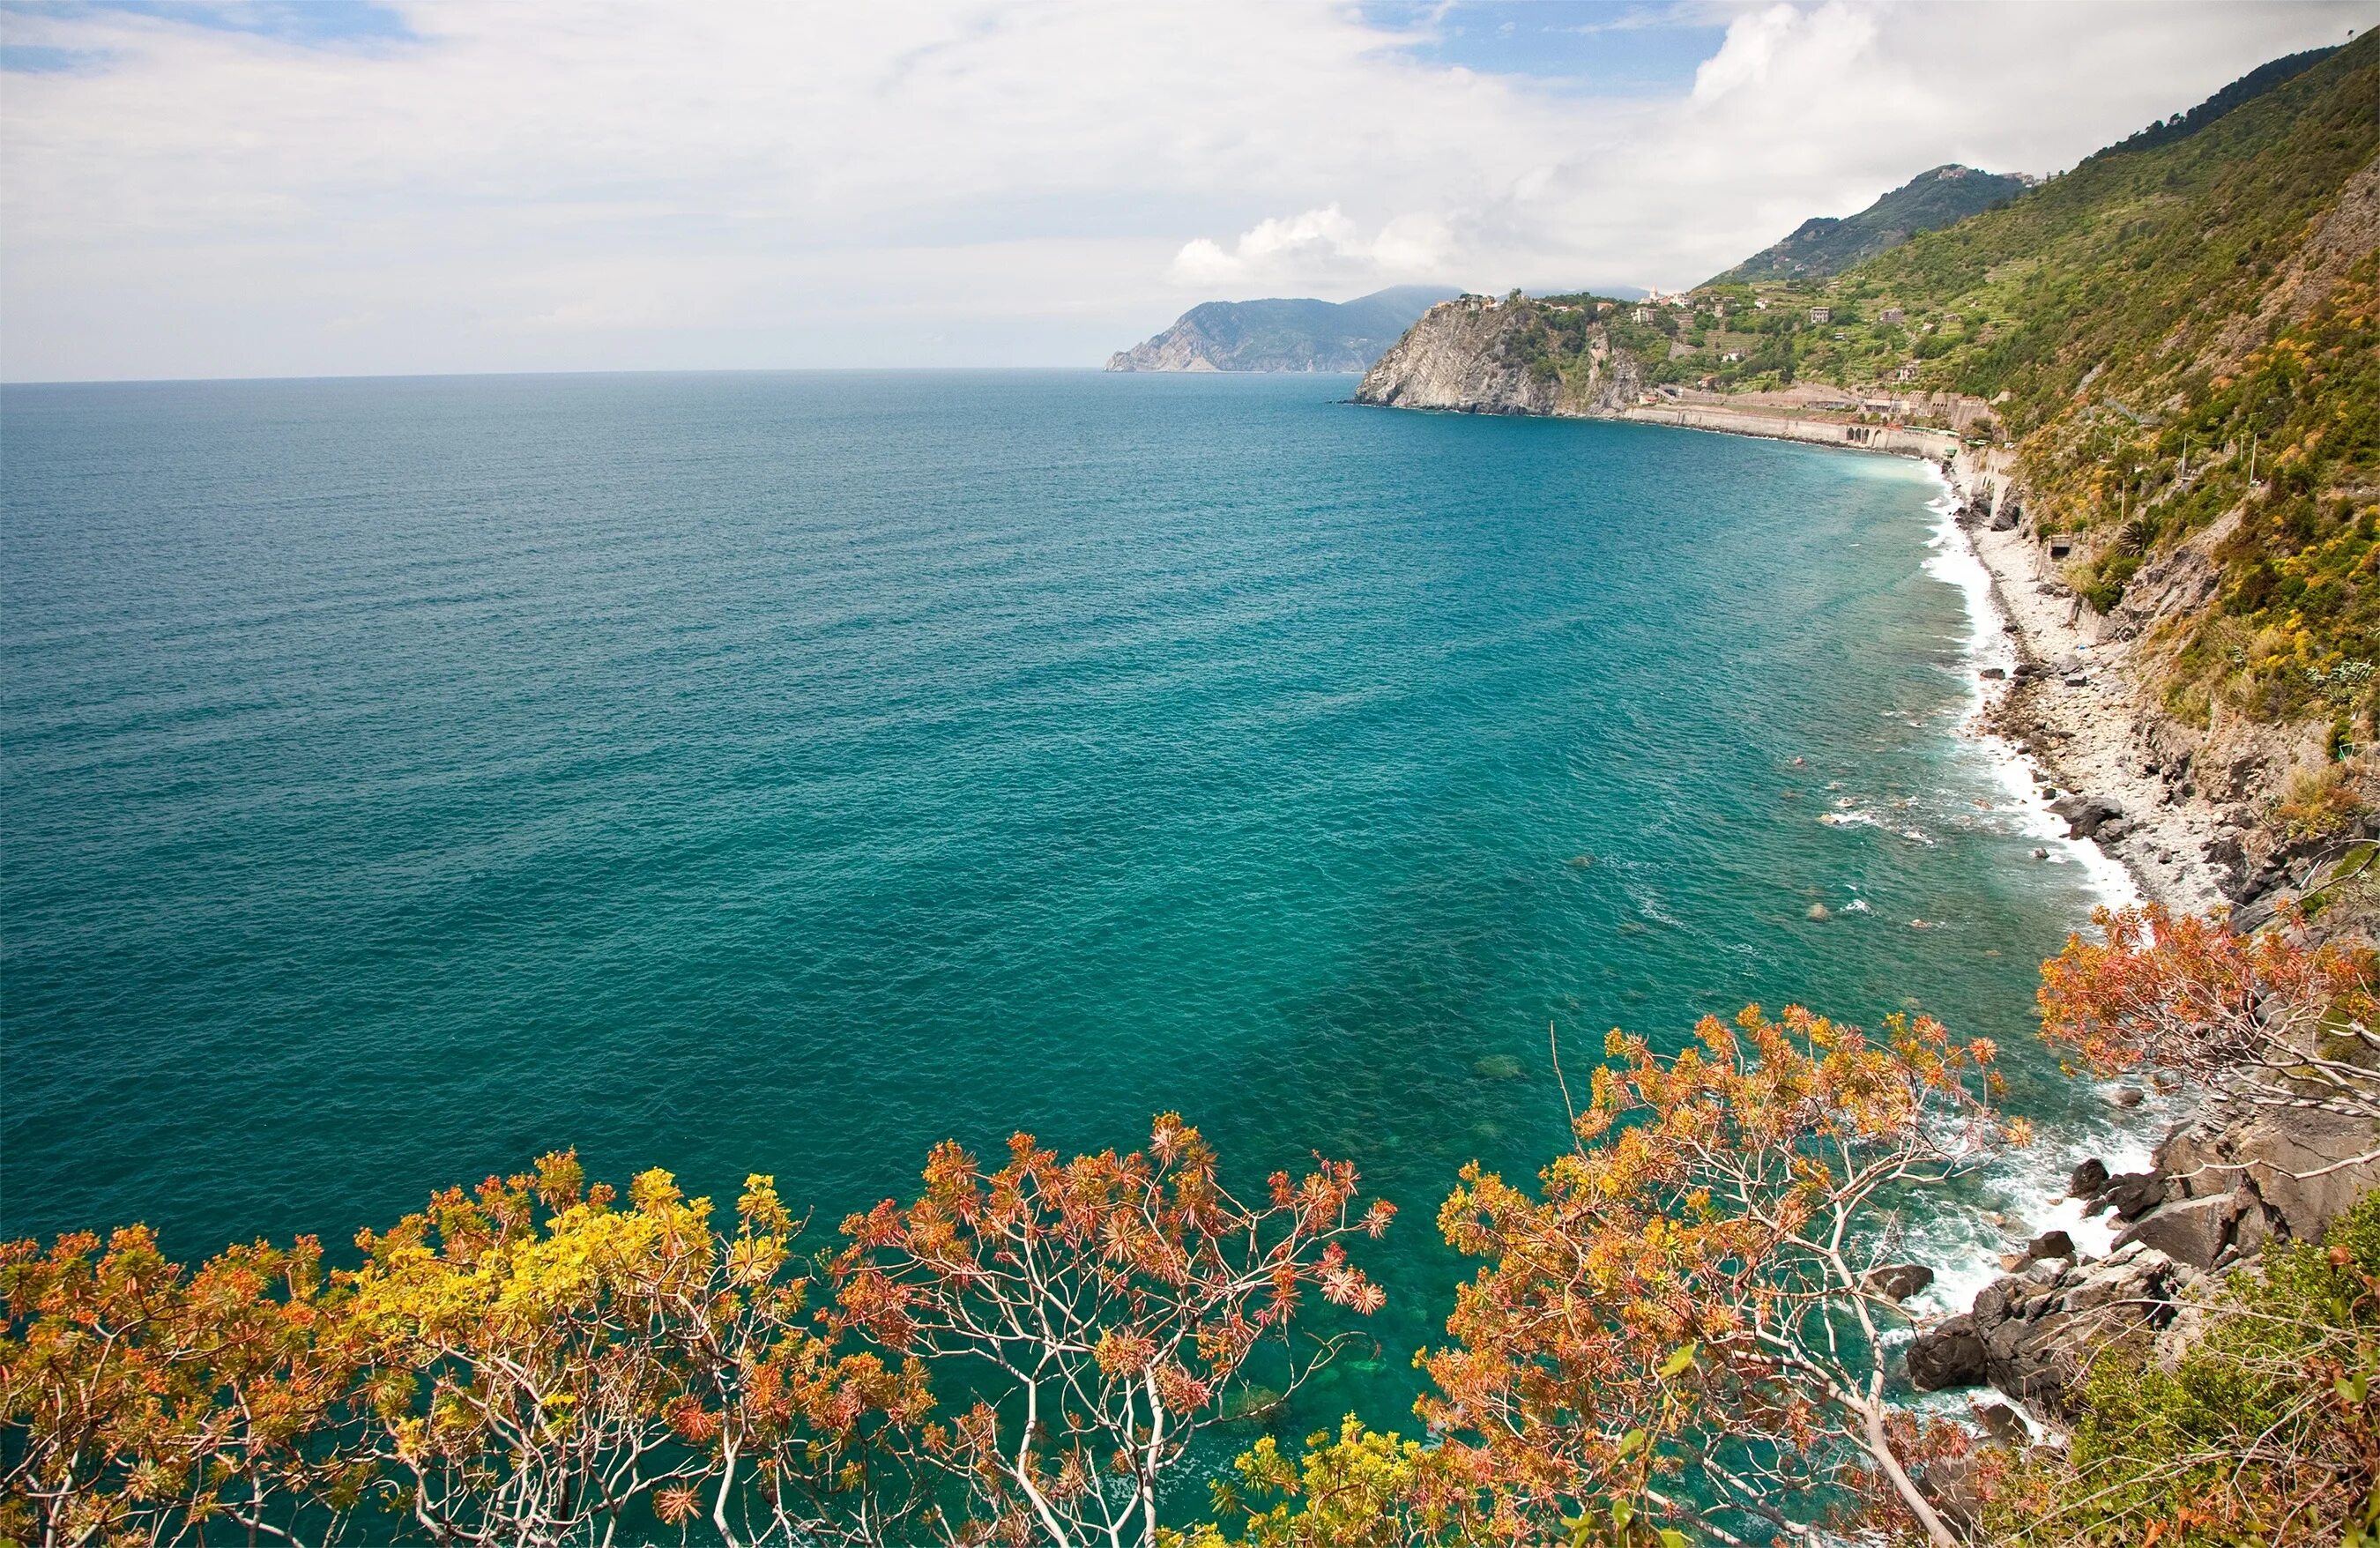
{"type": "Point", "coordinates": [1321, 247]}
{"type": "Point", "coordinates": [629, 185]}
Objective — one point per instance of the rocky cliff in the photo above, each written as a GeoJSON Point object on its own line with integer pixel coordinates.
{"type": "Point", "coordinates": [1475, 355]}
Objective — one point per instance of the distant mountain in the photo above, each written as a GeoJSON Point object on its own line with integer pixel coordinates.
{"type": "Point", "coordinates": [1927, 202]}
{"type": "Point", "coordinates": [1282, 335]}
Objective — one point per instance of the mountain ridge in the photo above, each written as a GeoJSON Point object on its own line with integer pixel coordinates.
{"type": "Point", "coordinates": [1826, 244]}
{"type": "Point", "coordinates": [1279, 334]}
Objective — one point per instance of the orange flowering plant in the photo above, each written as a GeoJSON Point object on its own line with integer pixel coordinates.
{"type": "Point", "coordinates": [139, 1401]}
{"type": "Point", "coordinates": [1106, 1307]}
{"type": "Point", "coordinates": [2269, 1017]}
{"type": "Point", "coordinates": [1684, 1325]}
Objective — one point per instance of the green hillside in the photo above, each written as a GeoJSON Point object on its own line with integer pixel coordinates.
{"type": "Point", "coordinates": [2150, 323]}
{"type": "Point", "coordinates": [1927, 202]}
{"type": "Point", "coordinates": [2196, 300]}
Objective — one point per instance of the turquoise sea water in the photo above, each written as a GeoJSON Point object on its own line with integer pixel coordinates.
{"type": "Point", "coordinates": [781, 773]}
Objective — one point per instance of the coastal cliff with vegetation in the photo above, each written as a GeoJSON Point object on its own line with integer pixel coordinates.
{"type": "Point", "coordinates": [2152, 385]}
{"type": "Point", "coordinates": [1282, 335]}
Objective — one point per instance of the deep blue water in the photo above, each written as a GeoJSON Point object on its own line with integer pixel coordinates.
{"type": "Point", "coordinates": [780, 772]}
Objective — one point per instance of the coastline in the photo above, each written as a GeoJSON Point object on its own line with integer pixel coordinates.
{"type": "Point", "coordinates": [2073, 705]}
{"type": "Point", "coordinates": [2066, 715]}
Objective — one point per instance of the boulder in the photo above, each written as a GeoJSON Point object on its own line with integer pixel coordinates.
{"type": "Point", "coordinates": [2191, 1231]}
{"type": "Point", "coordinates": [2087, 1180]}
{"type": "Point", "coordinates": [1949, 1354]}
{"type": "Point", "coordinates": [2288, 1161]}
{"type": "Point", "coordinates": [2050, 1244]}
{"type": "Point", "coordinates": [2283, 1148]}
{"type": "Point", "coordinates": [2085, 815]}
{"type": "Point", "coordinates": [1898, 1281]}
{"type": "Point", "coordinates": [2133, 1194]}
{"type": "Point", "coordinates": [2003, 1423]}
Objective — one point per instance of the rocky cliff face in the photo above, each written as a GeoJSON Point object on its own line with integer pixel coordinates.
{"type": "Point", "coordinates": [1477, 356]}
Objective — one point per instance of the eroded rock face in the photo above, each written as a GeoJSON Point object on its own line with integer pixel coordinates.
{"type": "Point", "coordinates": [1467, 355]}
{"type": "Point", "coordinates": [2237, 1176]}
{"type": "Point", "coordinates": [2191, 1231]}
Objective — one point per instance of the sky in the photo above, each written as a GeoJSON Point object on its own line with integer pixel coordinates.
{"type": "Point", "coordinates": [303, 188]}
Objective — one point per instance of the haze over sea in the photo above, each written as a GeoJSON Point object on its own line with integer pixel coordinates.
{"type": "Point", "coordinates": [781, 773]}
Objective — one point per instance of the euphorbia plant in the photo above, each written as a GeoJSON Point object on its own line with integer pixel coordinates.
{"type": "Point", "coordinates": [1106, 1308]}
{"type": "Point", "coordinates": [2265, 1016]}
{"type": "Point", "coordinates": [1682, 1325]}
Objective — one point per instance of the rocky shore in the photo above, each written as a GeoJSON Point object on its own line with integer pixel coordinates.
{"type": "Point", "coordinates": [2183, 810]}
{"type": "Point", "coordinates": [2223, 1185]}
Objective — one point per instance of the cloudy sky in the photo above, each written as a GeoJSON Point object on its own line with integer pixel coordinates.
{"type": "Point", "coordinates": [328, 187]}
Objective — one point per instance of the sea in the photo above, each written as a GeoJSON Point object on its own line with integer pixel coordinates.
{"type": "Point", "coordinates": [742, 773]}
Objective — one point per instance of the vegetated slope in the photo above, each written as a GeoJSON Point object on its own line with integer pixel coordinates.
{"type": "Point", "coordinates": [2154, 323]}
{"type": "Point", "coordinates": [2247, 89]}
{"type": "Point", "coordinates": [1282, 335]}
{"type": "Point", "coordinates": [1828, 245]}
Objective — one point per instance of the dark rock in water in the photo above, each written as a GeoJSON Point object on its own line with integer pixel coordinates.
{"type": "Point", "coordinates": [2129, 1096]}
{"type": "Point", "coordinates": [1949, 1354]}
{"type": "Point", "coordinates": [2050, 1244]}
{"type": "Point", "coordinates": [1582, 860]}
{"type": "Point", "coordinates": [2133, 1194]}
{"type": "Point", "coordinates": [2087, 1180]}
{"type": "Point", "coordinates": [2040, 1331]}
{"type": "Point", "coordinates": [2085, 814]}
{"type": "Point", "coordinates": [1898, 1281]}
{"type": "Point", "coordinates": [1993, 674]}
